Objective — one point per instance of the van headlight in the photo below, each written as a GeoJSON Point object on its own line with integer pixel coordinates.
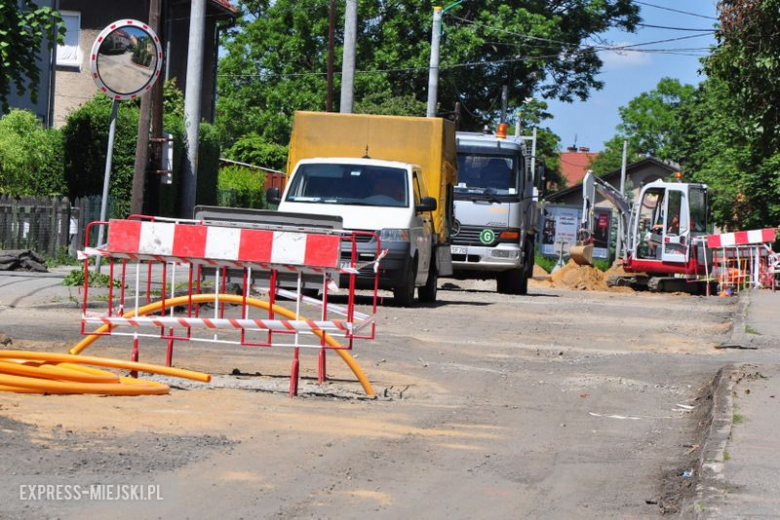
{"type": "Point", "coordinates": [394, 235]}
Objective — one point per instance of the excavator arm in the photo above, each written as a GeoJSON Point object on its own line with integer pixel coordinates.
{"type": "Point", "coordinates": [582, 252]}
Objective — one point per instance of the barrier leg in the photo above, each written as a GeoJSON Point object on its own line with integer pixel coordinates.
{"type": "Point", "coordinates": [321, 375]}
{"type": "Point", "coordinates": [294, 374]}
{"type": "Point", "coordinates": [169, 354]}
{"type": "Point", "coordinates": [134, 357]}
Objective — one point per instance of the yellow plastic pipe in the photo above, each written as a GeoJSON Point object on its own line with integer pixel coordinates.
{"type": "Point", "coordinates": [237, 300]}
{"type": "Point", "coordinates": [44, 371]}
{"type": "Point", "coordinates": [106, 362]}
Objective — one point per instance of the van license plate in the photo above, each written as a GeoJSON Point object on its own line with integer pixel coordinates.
{"type": "Point", "coordinates": [459, 250]}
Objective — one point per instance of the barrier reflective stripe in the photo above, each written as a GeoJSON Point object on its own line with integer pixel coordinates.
{"type": "Point", "coordinates": [221, 323]}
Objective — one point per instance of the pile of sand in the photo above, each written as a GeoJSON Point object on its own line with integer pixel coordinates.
{"type": "Point", "coordinates": [579, 277]}
{"type": "Point", "coordinates": [539, 272]}
{"type": "Point", "coordinates": [615, 270]}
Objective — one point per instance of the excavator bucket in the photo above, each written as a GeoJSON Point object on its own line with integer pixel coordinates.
{"type": "Point", "coordinates": [582, 254]}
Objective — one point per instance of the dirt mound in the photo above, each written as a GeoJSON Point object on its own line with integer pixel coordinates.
{"type": "Point", "coordinates": [615, 270]}
{"type": "Point", "coordinates": [579, 277]}
{"type": "Point", "coordinates": [539, 272]}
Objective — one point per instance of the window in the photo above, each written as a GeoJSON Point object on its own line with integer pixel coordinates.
{"type": "Point", "coordinates": [479, 172]}
{"type": "Point", "coordinates": [68, 52]}
{"type": "Point", "coordinates": [350, 184]}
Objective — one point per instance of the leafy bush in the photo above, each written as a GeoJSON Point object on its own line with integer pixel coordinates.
{"type": "Point", "coordinates": [242, 187]}
{"type": "Point", "coordinates": [86, 142]}
{"type": "Point", "coordinates": [31, 156]}
{"type": "Point", "coordinates": [258, 151]}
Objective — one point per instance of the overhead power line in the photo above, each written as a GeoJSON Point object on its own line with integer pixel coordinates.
{"type": "Point", "coordinates": [675, 28]}
{"type": "Point", "coordinates": [575, 45]}
{"type": "Point", "coordinates": [675, 10]}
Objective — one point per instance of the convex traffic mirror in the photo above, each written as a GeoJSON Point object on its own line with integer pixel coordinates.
{"type": "Point", "coordinates": [126, 59]}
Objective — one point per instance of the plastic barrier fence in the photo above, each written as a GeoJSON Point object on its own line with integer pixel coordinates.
{"type": "Point", "coordinates": [178, 280]}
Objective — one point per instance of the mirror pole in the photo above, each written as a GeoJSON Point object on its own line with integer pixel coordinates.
{"type": "Point", "coordinates": [107, 178]}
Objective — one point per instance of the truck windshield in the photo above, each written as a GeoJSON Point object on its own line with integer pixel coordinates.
{"type": "Point", "coordinates": [478, 172]}
{"type": "Point", "coordinates": [351, 184]}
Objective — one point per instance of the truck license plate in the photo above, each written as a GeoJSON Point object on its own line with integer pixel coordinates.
{"type": "Point", "coordinates": [459, 250]}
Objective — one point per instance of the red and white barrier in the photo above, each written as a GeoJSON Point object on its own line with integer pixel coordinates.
{"type": "Point", "coordinates": [743, 259]}
{"type": "Point", "coordinates": [742, 238]}
{"type": "Point", "coordinates": [203, 253]}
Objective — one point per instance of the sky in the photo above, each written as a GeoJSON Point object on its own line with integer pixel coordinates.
{"type": "Point", "coordinates": [626, 75]}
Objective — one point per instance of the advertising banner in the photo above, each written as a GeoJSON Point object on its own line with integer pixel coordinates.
{"type": "Point", "coordinates": [560, 225]}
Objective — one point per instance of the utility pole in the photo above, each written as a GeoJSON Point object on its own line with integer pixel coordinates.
{"type": "Point", "coordinates": [348, 65]}
{"type": "Point", "coordinates": [504, 102]}
{"type": "Point", "coordinates": [192, 108]}
{"type": "Point", "coordinates": [433, 69]}
{"type": "Point", "coordinates": [331, 46]}
{"type": "Point", "coordinates": [142, 142]}
{"type": "Point", "coordinates": [619, 242]}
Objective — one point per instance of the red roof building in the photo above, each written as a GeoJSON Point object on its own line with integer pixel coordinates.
{"type": "Point", "coordinates": [575, 163]}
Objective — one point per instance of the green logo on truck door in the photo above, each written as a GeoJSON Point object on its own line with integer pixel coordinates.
{"type": "Point", "coordinates": [487, 236]}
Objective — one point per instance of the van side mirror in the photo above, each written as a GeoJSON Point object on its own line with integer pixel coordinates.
{"type": "Point", "coordinates": [426, 204]}
{"type": "Point", "coordinates": [273, 196]}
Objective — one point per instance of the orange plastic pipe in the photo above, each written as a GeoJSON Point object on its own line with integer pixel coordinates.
{"type": "Point", "coordinates": [44, 371]}
{"type": "Point", "coordinates": [106, 362]}
{"type": "Point", "coordinates": [47, 386]}
{"type": "Point", "coordinates": [237, 300]}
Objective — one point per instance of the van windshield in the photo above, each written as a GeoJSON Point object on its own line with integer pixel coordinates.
{"type": "Point", "coordinates": [350, 184]}
{"type": "Point", "coordinates": [478, 172]}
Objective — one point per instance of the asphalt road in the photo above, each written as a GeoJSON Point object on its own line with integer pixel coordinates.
{"type": "Point", "coordinates": [558, 404]}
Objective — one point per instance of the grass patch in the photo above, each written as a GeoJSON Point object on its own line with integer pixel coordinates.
{"type": "Point", "coordinates": [738, 418]}
{"type": "Point", "coordinates": [726, 456]}
{"type": "Point", "coordinates": [61, 258]}
{"type": "Point", "coordinates": [75, 278]}
{"type": "Point", "coordinates": [751, 330]}
{"type": "Point", "coordinates": [545, 262]}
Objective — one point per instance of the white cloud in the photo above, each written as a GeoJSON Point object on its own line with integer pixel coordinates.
{"type": "Point", "coordinates": [623, 59]}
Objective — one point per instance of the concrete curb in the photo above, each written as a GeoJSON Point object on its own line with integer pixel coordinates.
{"type": "Point", "coordinates": [710, 485]}
{"type": "Point", "coordinates": [740, 318]}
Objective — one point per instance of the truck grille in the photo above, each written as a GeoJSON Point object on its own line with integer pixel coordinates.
{"type": "Point", "coordinates": [469, 235]}
{"type": "Point", "coordinates": [362, 239]}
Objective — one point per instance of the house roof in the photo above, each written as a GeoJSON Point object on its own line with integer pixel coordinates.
{"type": "Point", "coordinates": [613, 177]}
{"type": "Point", "coordinates": [225, 6]}
{"type": "Point", "coordinates": [574, 165]}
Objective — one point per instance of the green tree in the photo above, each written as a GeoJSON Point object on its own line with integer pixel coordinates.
{"type": "Point", "coordinates": [747, 59]}
{"type": "Point", "coordinates": [734, 135]}
{"type": "Point", "coordinates": [721, 151]}
{"type": "Point", "coordinates": [23, 28]}
{"type": "Point", "coordinates": [276, 58]}
{"type": "Point", "coordinates": [652, 125]}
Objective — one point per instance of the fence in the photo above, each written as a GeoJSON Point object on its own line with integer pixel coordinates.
{"type": "Point", "coordinates": [46, 225]}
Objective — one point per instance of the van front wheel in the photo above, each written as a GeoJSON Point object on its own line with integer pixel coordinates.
{"type": "Point", "coordinates": [403, 295]}
{"type": "Point", "coordinates": [427, 293]}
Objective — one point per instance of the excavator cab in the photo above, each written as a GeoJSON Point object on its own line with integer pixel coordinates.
{"type": "Point", "coordinates": [664, 221]}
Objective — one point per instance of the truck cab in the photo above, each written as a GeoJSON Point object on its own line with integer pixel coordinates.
{"type": "Point", "coordinates": [495, 210]}
{"type": "Point", "coordinates": [388, 198]}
